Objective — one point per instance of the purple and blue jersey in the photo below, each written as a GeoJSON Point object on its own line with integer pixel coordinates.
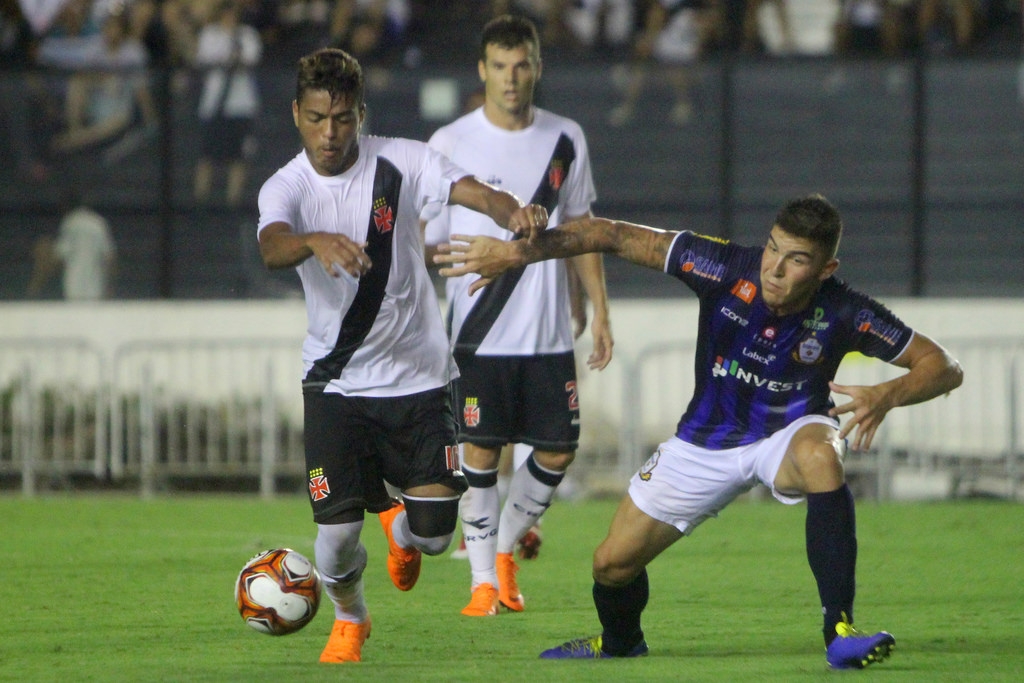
{"type": "Point", "coordinates": [757, 372]}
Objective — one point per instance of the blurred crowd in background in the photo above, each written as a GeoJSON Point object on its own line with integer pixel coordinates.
{"type": "Point", "coordinates": [105, 39]}
{"type": "Point", "coordinates": [89, 88]}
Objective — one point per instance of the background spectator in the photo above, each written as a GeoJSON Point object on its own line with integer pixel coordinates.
{"type": "Point", "coordinates": [229, 102]}
{"type": "Point", "coordinates": [84, 249]}
{"type": "Point", "coordinates": [19, 89]}
{"type": "Point", "coordinates": [108, 96]}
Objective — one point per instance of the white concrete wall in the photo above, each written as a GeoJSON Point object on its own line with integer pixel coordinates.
{"type": "Point", "coordinates": [636, 325]}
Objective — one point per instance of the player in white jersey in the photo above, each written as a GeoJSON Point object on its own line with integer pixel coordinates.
{"type": "Point", "coordinates": [513, 342]}
{"type": "Point", "coordinates": [376, 391]}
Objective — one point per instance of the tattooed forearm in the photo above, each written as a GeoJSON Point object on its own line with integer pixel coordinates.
{"type": "Point", "coordinates": [640, 244]}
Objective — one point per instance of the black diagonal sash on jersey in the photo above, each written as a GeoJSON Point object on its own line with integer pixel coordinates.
{"type": "Point", "coordinates": [494, 296]}
{"type": "Point", "coordinates": [387, 184]}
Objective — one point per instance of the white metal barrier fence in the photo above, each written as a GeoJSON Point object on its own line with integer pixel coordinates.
{"type": "Point", "coordinates": [232, 408]}
{"type": "Point", "coordinates": [53, 410]}
{"type": "Point", "coordinates": [217, 408]}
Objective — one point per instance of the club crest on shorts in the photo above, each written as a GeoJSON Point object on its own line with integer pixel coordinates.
{"type": "Point", "coordinates": [318, 487]}
{"type": "Point", "coordinates": [471, 413]}
{"type": "Point", "coordinates": [647, 469]}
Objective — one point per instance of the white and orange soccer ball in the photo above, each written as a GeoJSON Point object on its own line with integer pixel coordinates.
{"type": "Point", "coordinates": [278, 591]}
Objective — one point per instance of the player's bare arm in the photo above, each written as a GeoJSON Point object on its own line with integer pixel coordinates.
{"type": "Point", "coordinates": [590, 270]}
{"type": "Point", "coordinates": [504, 208]}
{"type": "Point", "coordinates": [931, 372]}
{"type": "Point", "coordinates": [640, 244]}
{"type": "Point", "coordinates": [282, 248]}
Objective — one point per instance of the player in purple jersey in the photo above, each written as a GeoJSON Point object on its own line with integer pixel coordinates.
{"type": "Point", "coordinates": [774, 325]}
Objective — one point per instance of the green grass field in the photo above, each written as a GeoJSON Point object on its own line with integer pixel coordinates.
{"type": "Point", "coordinates": [113, 588]}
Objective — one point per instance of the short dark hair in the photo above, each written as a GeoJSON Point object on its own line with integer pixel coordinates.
{"type": "Point", "coordinates": [333, 70]}
{"type": "Point", "coordinates": [509, 31]}
{"type": "Point", "coordinates": [814, 218]}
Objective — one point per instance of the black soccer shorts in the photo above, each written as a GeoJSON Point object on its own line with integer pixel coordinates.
{"type": "Point", "coordinates": [355, 443]}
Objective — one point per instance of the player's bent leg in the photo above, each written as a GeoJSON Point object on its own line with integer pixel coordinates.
{"type": "Point", "coordinates": [404, 560]}
{"type": "Point", "coordinates": [621, 589]}
{"type": "Point", "coordinates": [432, 521]}
{"type": "Point", "coordinates": [530, 494]}
{"type": "Point", "coordinates": [341, 559]}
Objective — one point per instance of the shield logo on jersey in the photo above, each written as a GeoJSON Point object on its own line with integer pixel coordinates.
{"type": "Point", "coordinates": [809, 351]}
{"type": "Point", "coordinates": [471, 413]}
{"type": "Point", "coordinates": [384, 219]}
{"type": "Point", "coordinates": [556, 175]}
{"type": "Point", "coordinates": [318, 488]}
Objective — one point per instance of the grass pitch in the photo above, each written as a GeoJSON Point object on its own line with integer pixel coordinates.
{"type": "Point", "coordinates": [113, 588]}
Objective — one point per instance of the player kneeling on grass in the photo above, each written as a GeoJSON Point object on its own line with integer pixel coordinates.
{"type": "Point", "coordinates": [377, 386]}
{"type": "Point", "coordinates": [774, 325]}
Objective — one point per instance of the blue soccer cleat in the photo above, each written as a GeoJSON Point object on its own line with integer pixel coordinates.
{"type": "Point", "coordinates": [855, 650]}
{"type": "Point", "coordinates": [589, 648]}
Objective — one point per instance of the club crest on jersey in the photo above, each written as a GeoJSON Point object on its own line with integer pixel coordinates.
{"type": "Point", "coordinates": [471, 413]}
{"type": "Point", "coordinates": [556, 174]}
{"type": "Point", "coordinates": [647, 470]}
{"type": "Point", "coordinates": [383, 216]}
{"type": "Point", "coordinates": [318, 487]}
{"type": "Point", "coordinates": [808, 351]}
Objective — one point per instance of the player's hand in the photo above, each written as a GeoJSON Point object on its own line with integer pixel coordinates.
{"type": "Point", "coordinates": [337, 254]}
{"type": "Point", "coordinates": [601, 330]}
{"type": "Point", "coordinates": [869, 405]}
{"type": "Point", "coordinates": [528, 220]}
{"type": "Point", "coordinates": [485, 256]}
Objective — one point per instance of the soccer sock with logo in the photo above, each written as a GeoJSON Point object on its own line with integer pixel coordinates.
{"type": "Point", "coordinates": [478, 510]}
{"type": "Point", "coordinates": [529, 495]}
{"type": "Point", "coordinates": [341, 559]}
{"type": "Point", "coordinates": [619, 609]}
{"type": "Point", "coordinates": [832, 553]}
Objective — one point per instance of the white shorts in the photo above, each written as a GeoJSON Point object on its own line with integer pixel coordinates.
{"type": "Point", "coordinates": [683, 485]}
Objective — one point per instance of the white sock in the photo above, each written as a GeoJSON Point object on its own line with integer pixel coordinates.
{"type": "Point", "coordinates": [479, 510]}
{"type": "Point", "coordinates": [340, 559]}
{"type": "Point", "coordinates": [529, 495]}
{"type": "Point", "coordinates": [400, 531]}
{"type": "Point", "coordinates": [520, 452]}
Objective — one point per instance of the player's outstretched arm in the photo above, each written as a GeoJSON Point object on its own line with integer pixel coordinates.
{"type": "Point", "coordinates": [487, 257]}
{"type": "Point", "coordinates": [503, 207]}
{"type": "Point", "coordinates": [931, 372]}
{"type": "Point", "coordinates": [282, 248]}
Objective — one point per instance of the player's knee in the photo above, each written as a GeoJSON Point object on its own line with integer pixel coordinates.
{"type": "Point", "coordinates": [820, 464]}
{"type": "Point", "coordinates": [613, 570]}
{"type": "Point", "coordinates": [432, 521]}
{"type": "Point", "coordinates": [434, 545]}
{"type": "Point", "coordinates": [556, 462]}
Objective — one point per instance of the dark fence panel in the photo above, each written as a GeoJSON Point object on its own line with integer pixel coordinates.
{"type": "Point", "coordinates": [925, 160]}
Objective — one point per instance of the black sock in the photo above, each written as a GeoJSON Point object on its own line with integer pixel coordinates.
{"type": "Point", "coordinates": [832, 554]}
{"type": "Point", "coordinates": [619, 610]}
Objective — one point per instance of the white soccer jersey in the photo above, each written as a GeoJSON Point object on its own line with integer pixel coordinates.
{"type": "Point", "coordinates": [381, 334]}
{"type": "Point", "coordinates": [525, 311]}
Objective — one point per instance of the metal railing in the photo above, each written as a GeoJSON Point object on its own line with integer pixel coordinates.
{"type": "Point", "coordinates": [230, 409]}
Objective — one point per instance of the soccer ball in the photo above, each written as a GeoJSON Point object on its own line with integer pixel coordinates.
{"type": "Point", "coordinates": [278, 591]}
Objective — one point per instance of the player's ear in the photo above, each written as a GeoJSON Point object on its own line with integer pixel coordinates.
{"type": "Point", "coordinates": [295, 112]}
{"type": "Point", "coordinates": [481, 70]}
{"type": "Point", "coordinates": [829, 268]}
